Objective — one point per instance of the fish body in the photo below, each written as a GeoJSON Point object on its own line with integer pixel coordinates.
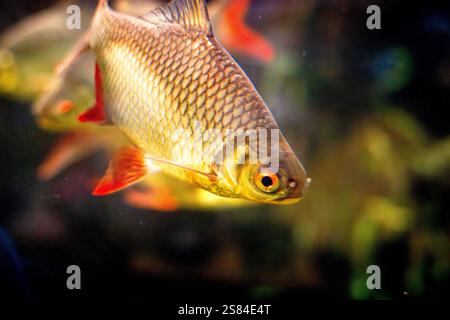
{"type": "Point", "coordinates": [162, 77]}
{"type": "Point", "coordinates": [170, 81]}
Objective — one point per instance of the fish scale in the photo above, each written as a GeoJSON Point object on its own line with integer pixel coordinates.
{"type": "Point", "coordinates": [204, 88]}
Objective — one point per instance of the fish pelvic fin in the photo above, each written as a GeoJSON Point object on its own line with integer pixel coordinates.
{"type": "Point", "coordinates": [188, 13]}
{"type": "Point", "coordinates": [97, 112]}
{"type": "Point", "coordinates": [126, 168]}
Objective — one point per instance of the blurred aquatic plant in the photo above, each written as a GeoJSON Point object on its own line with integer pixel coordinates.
{"type": "Point", "coordinates": [361, 192]}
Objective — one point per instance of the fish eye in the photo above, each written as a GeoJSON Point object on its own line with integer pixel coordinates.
{"type": "Point", "coordinates": [267, 181]}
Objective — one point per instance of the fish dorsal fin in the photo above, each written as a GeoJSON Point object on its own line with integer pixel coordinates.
{"type": "Point", "coordinates": [188, 13]}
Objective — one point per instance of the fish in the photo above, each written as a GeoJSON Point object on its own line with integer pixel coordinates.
{"type": "Point", "coordinates": [57, 110]}
{"type": "Point", "coordinates": [164, 74]}
{"type": "Point", "coordinates": [32, 47]}
{"type": "Point", "coordinates": [66, 96]}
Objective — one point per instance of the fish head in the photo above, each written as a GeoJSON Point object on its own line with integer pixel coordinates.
{"type": "Point", "coordinates": [262, 183]}
{"type": "Point", "coordinates": [282, 182]}
{"type": "Point", "coordinates": [67, 95]}
{"type": "Point", "coordinates": [57, 108]}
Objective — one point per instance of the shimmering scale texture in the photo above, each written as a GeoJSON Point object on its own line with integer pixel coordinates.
{"type": "Point", "coordinates": [160, 81]}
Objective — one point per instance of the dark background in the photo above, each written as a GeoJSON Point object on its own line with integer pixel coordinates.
{"type": "Point", "coordinates": [341, 93]}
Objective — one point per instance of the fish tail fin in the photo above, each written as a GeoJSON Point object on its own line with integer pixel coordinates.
{"type": "Point", "coordinates": [241, 38]}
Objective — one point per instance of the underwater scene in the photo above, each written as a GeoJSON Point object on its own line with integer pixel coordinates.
{"type": "Point", "coordinates": [101, 196]}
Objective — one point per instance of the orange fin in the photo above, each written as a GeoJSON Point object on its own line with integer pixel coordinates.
{"type": "Point", "coordinates": [125, 169]}
{"type": "Point", "coordinates": [158, 199]}
{"type": "Point", "coordinates": [97, 112]}
{"type": "Point", "coordinates": [240, 38]}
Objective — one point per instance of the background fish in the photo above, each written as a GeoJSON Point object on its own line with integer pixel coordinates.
{"type": "Point", "coordinates": [166, 72]}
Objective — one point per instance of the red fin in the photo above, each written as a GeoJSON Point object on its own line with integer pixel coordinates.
{"type": "Point", "coordinates": [97, 112]}
{"type": "Point", "coordinates": [125, 169]}
{"type": "Point", "coordinates": [158, 199]}
{"type": "Point", "coordinates": [240, 37]}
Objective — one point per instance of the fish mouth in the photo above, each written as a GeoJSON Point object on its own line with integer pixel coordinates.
{"type": "Point", "coordinates": [296, 193]}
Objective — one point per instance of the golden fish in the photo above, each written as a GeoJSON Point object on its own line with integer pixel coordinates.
{"type": "Point", "coordinates": [162, 77]}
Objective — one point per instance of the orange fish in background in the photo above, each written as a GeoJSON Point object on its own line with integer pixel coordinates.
{"type": "Point", "coordinates": [163, 72]}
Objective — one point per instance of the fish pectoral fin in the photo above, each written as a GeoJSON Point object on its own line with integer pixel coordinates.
{"type": "Point", "coordinates": [126, 168]}
{"type": "Point", "coordinates": [97, 112]}
{"type": "Point", "coordinates": [80, 47]}
{"type": "Point", "coordinates": [188, 13]}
